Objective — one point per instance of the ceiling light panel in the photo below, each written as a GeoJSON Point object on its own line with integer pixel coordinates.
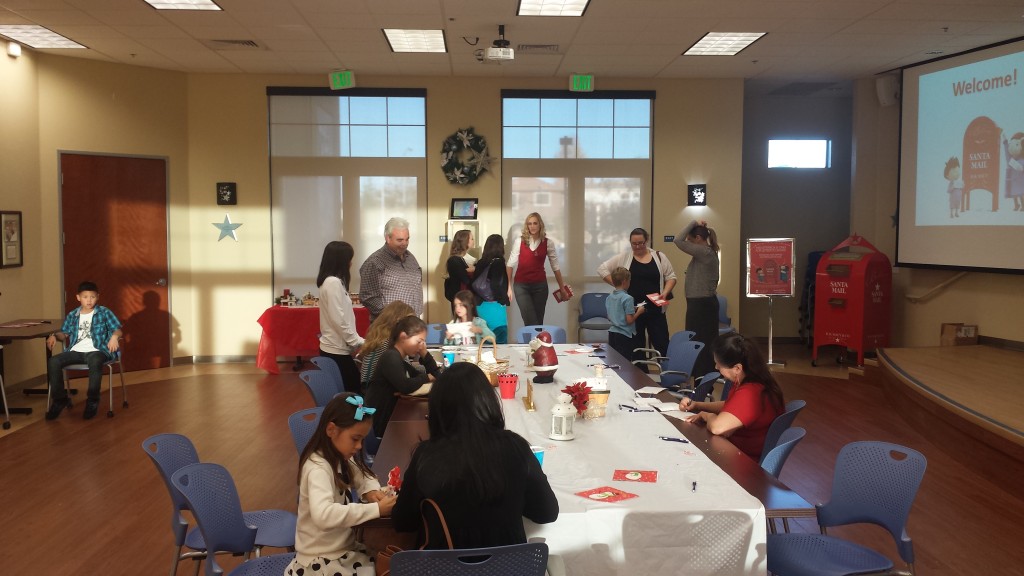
{"type": "Point", "coordinates": [183, 4]}
{"type": "Point", "coordinates": [552, 7]}
{"type": "Point", "coordinates": [36, 36]}
{"type": "Point", "coordinates": [415, 40]}
{"type": "Point", "coordinates": [723, 43]}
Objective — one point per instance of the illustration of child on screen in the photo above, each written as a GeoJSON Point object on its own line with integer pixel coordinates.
{"type": "Point", "coordinates": [955, 189]}
{"type": "Point", "coordinates": [1014, 149]}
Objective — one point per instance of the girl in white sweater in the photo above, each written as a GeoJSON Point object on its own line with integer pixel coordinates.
{"type": "Point", "coordinates": [330, 467]}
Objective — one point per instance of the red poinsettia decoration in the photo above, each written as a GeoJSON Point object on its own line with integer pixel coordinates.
{"type": "Point", "coordinates": [395, 479]}
{"type": "Point", "coordinates": [580, 393]}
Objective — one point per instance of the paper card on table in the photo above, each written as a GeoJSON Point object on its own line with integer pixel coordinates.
{"type": "Point", "coordinates": [649, 390]}
{"type": "Point", "coordinates": [636, 475]}
{"type": "Point", "coordinates": [665, 406]}
{"type": "Point", "coordinates": [606, 494]}
{"type": "Point", "coordinates": [460, 332]}
{"type": "Point", "coordinates": [656, 299]}
{"type": "Point", "coordinates": [678, 414]}
{"type": "Point", "coordinates": [647, 401]}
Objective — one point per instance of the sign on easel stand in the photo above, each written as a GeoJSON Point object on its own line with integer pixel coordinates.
{"type": "Point", "coordinates": [770, 274]}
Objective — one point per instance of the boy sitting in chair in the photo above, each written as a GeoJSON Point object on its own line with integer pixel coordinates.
{"type": "Point", "coordinates": [90, 335]}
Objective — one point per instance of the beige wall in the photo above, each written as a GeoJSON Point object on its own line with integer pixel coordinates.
{"type": "Point", "coordinates": [992, 301]}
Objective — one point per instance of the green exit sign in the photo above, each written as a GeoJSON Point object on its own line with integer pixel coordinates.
{"type": "Point", "coordinates": [341, 79]}
{"type": "Point", "coordinates": [581, 83]}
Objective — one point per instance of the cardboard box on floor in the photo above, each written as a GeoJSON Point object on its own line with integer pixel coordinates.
{"type": "Point", "coordinates": [958, 334]}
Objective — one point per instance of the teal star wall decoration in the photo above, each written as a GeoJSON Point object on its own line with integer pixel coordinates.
{"type": "Point", "coordinates": [226, 229]}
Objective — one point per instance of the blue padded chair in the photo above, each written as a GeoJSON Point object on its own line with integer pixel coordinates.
{"type": "Point", "coordinates": [273, 565]}
{"type": "Point", "coordinates": [213, 499]}
{"type": "Point", "coordinates": [529, 559]}
{"type": "Point", "coordinates": [781, 423]}
{"type": "Point", "coordinates": [677, 367]}
{"type": "Point", "coordinates": [109, 366]}
{"type": "Point", "coordinates": [527, 333]}
{"type": "Point", "coordinates": [329, 366]}
{"type": "Point", "coordinates": [302, 425]}
{"type": "Point", "coordinates": [724, 321]}
{"type": "Point", "coordinates": [435, 334]}
{"type": "Point", "coordinates": [320, 385]}
{"type": "Point", "coordinates": [170, 453]}
{"type": "Point", "coordinates": [593, 313]}
{"type": "Point", "coordinates": [874, 482]}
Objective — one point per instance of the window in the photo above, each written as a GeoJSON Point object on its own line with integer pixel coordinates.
{"type": "Point", "coordinates": [341, 166]}
{"type": "Point", "coordinates": [598, 128]}
{"type": "Point", "coordinates": [799, 153]}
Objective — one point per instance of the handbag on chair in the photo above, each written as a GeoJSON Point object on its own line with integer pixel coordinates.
{"type": "Point", "coordinates": [383, 563]}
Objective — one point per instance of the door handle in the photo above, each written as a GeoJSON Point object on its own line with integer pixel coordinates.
{"type": "Point", "coordinates": [161, 282]}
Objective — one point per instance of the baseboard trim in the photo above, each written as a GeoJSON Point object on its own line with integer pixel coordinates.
{"type": "Point", "coordinates": [221, 360]}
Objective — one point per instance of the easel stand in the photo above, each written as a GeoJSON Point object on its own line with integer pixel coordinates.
{"type": "Point", "coordinates": [771, 361]}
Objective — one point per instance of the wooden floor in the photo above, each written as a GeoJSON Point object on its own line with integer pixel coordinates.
{"type": "Point", "coordinates": [80, 497]}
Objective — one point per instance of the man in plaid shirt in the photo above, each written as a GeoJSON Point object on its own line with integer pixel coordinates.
{"type": "Point", "coordinates": [90, 335]}
{"type": "Point", "coordinates": [391, 273]}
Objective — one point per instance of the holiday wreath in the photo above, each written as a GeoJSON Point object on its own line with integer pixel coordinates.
{"type": "Point", "coordinates": [458, 167]}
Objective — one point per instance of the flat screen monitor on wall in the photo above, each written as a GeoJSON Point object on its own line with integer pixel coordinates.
{"type": "Point", "coordinates": [961, 185]}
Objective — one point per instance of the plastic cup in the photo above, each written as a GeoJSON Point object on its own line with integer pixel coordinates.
{"type": "Point", "coordinates": [539, 453]}
{"type": "Point", "coordinates": [449, 359]}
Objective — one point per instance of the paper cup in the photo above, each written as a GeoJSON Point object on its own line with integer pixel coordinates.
{"type": "Point", "coordinates": [539, 453]}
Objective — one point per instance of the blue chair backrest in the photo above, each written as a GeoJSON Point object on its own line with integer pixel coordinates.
{"type": "Point", "coordinates": [682, 355]}
{"type": "Point", "coordinates": [781, 423]}
{"type": "Point", "coordinates": [704, 388]}
{"type": "Point", "coordinates": [302, 425]}
{"type": "Point", "coordinates": [320, 385]}
{"type": "Point", "coordinates": [875, 482]}
{"type": "Point", "coordinates": [726, 389]}
{"type": "Point", "coordinates": [592, 305]}
{"type": "Point", "coordinates": [211, 495]}
{"type": "Point", "coordinates": [435, 334]}
{"type": "Point", "coordinates": [527, 333]}
{"type": "Point", "coordinates": [772, 461]}
{"type": "Point", "coordinates": [529, 559]}
{"type": "Point", "coordinates": [329, 366]}
{"type": "Point", "coordinates": [170, 453]}
{"type": "Point", "coordinates": [724, 321]}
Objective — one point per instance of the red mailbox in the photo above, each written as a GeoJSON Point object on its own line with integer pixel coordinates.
{"type": "Point", "coordinates": [853, 298]}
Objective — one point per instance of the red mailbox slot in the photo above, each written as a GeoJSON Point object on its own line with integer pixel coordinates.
{"type": "Point", "coordinates": [853, 298]}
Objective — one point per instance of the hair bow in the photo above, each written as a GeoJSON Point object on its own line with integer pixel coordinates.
{"type": "Point", "coordinates": [357, 401]}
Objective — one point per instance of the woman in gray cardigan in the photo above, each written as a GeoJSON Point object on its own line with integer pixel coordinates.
{"type": "Point", "coordinates": [701, 286]}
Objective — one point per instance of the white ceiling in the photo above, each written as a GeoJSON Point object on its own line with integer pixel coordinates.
{"type": "Point", "coordinates": [807, 40]}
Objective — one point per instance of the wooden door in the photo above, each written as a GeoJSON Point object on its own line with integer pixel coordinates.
{"type": "Point", "coordinates": [114, 226]}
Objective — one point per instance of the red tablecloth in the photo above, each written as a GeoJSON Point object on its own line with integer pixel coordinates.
{"type": "Point", "coordinates": [294, 331]}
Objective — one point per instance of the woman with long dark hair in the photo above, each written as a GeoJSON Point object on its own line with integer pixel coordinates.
{"type": "Point", "coordinates": [484, 478]}
{"type": "Point", "coordinates": [701, 287]}
{"type": "Point", "coordinates": [755, 401]}
{"type": "Point", "coordinates": [339, 340]}
{"type": "Point", "coordinates": [493, 302]}
{"type": "Point", "coordinates": [459, 268]}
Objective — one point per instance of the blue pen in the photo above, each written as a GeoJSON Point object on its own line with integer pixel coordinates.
{"type": "Point", "coordinates": [671, 439]}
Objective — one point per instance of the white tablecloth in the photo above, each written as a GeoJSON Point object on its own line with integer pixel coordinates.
{"type": "Point", "coordinates": [668, 528]}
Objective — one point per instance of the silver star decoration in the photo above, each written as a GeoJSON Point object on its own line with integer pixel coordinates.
{"type": "Point", "coordinates": [464, 136]}
{"type": "Point", "coordinates": [227, 229]}
{"type": "Point", "coordinates": [480, 160]}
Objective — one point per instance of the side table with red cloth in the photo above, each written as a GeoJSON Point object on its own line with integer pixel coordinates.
{"type": "Point", "coordinates": [294, 331]}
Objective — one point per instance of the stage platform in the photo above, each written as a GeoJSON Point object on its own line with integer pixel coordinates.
{"type": "Point", "coordinates": [968, 400]}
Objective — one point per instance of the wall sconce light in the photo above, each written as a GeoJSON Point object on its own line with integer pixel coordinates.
{"type": "Point", "coordinates": [13, 49]}
{"type": "Point", "coordinates": [697, 195]}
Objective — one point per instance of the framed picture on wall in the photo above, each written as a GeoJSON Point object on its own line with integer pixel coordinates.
{"type": "Point", "coordinates": [10, 239]}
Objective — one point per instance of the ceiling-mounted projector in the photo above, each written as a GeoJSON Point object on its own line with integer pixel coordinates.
{"type": "Point", "coordinates": [499, 49]}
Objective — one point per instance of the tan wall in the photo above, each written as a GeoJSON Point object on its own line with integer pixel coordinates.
{"type": "Point", "coordinates": [992, 301]}
{"type": "Point", "coordinates": [19, 191]}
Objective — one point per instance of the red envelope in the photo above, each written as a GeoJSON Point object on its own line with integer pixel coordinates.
{"type": "Point", "coordinates": [606, 494]}
{"type": "Point", "coordinates": [636, 475]}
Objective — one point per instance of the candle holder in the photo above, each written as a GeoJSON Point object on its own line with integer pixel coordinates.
{"type": "Point", "coordinates": [563, 415]}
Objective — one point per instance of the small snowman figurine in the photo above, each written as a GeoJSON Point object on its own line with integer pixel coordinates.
{"type": "Point", "coordinates": [544, 360]}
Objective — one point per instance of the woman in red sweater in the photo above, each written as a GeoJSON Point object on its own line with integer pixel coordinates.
{"type": "Point", "coordinates": [526, 270]}
{"type": "Point", "coordinates": [755, 401]}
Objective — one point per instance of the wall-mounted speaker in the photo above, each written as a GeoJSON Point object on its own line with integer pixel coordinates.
{"type": "Point", "coordinates": [888, 89]}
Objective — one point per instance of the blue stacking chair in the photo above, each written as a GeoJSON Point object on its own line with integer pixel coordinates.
{"type": "Point", "coordinates": [321, 386]}
{"type": "Point", "coordinates": [302, 425]}
{"type": "Point", "coordinates": [772, 461]}
{"type": "Point", "coordinates": [171, 452]}
{"type": "Point", "coordinates": [529, 559]}
{"type": "Point", "coordinates": [703, 390]}
{"type": "Point", "coordinates": [724, 320]}
{"type": "Point", "coordinates": [781, 423]}
{"type": "Point", "coordinates": [677, 367]}
{"type": "Point", "coordinates": [331, 368]}
{"type": "Point", "coordinates": [527, 333]}
{"type": "Point", "coordinates": [213, 499]}
{"type": "Point", "coordinates": [266, 566]}
{"type": "Point", "coordinates": [435, 334]}
{"type": "Point", "coordinates": [109, 367]}
{"type": "Point", "coordinates": [874, 482]}
{"type": "Point", "coordinates": [593, 313]}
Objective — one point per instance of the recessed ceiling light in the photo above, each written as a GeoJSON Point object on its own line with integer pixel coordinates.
{"type": "Point", "coordinates": [183, 4]}
{"type": "Point", "coordinates": [415, 40]}
{"type": "Point", "coordinates": [552, 7]}
{"type": "Point", "coordinates": [723, 43]}
{"type": "Point", "coordinates": [36, 36]}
